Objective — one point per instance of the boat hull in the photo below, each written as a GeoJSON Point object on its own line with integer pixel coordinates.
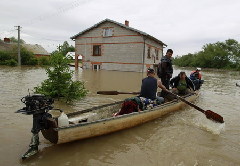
{"type": "Point", "coordinates": [113, 124]}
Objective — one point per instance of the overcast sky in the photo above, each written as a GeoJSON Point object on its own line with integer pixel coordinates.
{"type": "Point", "coordinates": [184, 25]}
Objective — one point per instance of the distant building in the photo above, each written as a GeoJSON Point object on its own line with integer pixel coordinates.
{"type": "Point", "coordinates": [6, 40]}
{"type": "Point", "coordinates": [36, 49]}
{"type": "Point", "coordinates": [110, 45]}
{"type": "Point", "coordinates": [5, 45]}
{"type": "Point", "coordinates": [72, 55]}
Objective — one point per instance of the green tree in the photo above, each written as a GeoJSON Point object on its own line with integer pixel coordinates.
{"type": "Point", "coordinates": [7, 59]}
{"type": "Point", "coordinates": [14, 40]}
{"type": "Point", "coordinates": [27, 57]}
{"type": "Point", "coordinates": [11, 62]}
{"type": "Point", "coordinates": [59, 83]}
{"type": "Point", "coordinates": [65, 48]}
{"type": "Point", "coordinates": [4, 55]}
{"type": "Point", "coordinates": [10, 56]}
{"type": "Point", "coordinates": [43, 61]}
{"type": "Point", "coordinates": [217, 55]}
{"type": "Point", "coordinates": [232, 48]}
{"type": "Point", "coordinates": [184, 61]}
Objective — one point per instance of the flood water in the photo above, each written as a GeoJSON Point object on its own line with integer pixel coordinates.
{"type": "Point", "coordinates": [183, 138]}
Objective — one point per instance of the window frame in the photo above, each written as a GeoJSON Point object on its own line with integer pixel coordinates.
{"type": "Point", "coordinates": [106, 32]}
{"type": "Point", "coordinates": [157, 54]}
{"type": "Point", "coordinates": [98, 67]}
{"type": "Point", "coordinates": [99, 50]}
{"type": "Point", "coordinates": [149, 52]}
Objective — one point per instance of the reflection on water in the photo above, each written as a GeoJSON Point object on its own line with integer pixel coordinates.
{"type": "Point", "coordinates": [180, 138]}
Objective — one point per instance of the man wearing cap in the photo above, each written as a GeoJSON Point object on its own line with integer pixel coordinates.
{"type": "Point", "coordinates": [195, 74]}
{"type": "Point", "coordinates": [196, 78]}
{"type": "Point", "coordinates": [150, 85]}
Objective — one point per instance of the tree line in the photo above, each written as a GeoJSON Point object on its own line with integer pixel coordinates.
{"type": "Point", "coordinates": [220, 55]}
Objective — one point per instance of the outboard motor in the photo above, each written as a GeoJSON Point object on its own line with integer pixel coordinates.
{"type": "Point", "coordinates": [38, 106]}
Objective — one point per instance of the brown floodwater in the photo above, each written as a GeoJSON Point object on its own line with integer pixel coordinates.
{"type": "Point", "coordinates": [183, 138]}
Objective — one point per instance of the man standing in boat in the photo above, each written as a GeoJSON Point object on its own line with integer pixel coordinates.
{"type": "Point", "coordinates": [165, 70]}
{"type": "Point", "coordinates": [150, 85]}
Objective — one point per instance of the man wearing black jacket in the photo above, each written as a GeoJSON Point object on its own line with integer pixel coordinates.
{"type": "Point", "coordinates": [165, 70]}
{"type": "Point", "coordinates": [181, 84]}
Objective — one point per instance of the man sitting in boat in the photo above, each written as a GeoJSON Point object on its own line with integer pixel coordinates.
{"type": "Point", "coordinates": [181, 84]}
{"type": "Point", "coordinates": [196, 78]}
{"type": "Point", "coordinates": [147, 95]}
{"type": "Point", "coordinates": [150, 85]}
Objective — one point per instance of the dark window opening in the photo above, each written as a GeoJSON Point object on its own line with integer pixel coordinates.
{"type": "Point", "coordinates": [96, 50]}
{"type": "Point", "coordinates": [157, 58]}
{"type": "Point", "coordinates": [96, 67]}
{"type": "Point", "coordinates": [148, 53]}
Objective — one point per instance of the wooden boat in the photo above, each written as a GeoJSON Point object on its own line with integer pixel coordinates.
{"type": "Point", "coordinates": [99, 120]}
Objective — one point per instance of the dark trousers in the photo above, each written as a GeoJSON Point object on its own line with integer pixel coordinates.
{"type": "Point", "coordinates": [166, 83]}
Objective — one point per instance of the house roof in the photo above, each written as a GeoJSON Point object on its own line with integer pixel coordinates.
{"type": "Point", "coordinates": [4, 46]}
{"type": "Point", "coordinates": [36, 49]}
{"type": "Point", "coordinates": [120, 24]}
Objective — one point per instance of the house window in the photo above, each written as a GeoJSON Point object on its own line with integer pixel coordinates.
{"type": "Point", "coordinates": [107, 32]}
{"type": "Point", "coordinates": [149, 53]}
{"type": "Point", "coordinates": [96, 67]}
{"type": "Point", "coordinates": [156, 52]}
{"type": "Point", "coordinates": [97, 50]}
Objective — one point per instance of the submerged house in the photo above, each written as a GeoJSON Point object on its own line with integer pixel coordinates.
{"type": "Point", "coordinates": [36, 49]}
{"type": "Point", "coordinates": [110, 45]}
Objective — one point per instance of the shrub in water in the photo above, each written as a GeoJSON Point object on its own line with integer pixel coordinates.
{"type": "Point", "coordinates": [59, 82]}
{"type": "Point", "coordinates": [43, 61]}
{"type": "Point", "coordinates": [11, 62]}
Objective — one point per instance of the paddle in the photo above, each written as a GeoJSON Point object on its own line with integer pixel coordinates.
{"type": "Point", "coordinates": [237, 85]}
{"type": "Point", "coordinates": [209, 114]}
{"type": "Point", "coordinates": [116, 93]}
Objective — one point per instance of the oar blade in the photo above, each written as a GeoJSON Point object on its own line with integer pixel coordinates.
{"type": "Point", "coordinates": [108, 92]}
{"type": "Point", "coordinates": [214, 116]}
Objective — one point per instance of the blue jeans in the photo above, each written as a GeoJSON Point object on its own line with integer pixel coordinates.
{"type": "Point", "coordinates": [160, 100]}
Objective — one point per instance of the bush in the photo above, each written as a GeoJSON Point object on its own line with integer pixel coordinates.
{"type": "Point", "coordinates": [11, 62]}
{"type": "Point", "coordinates": [32, 61]}
{"type": "Point", "coordinates": [59, 82]}
{"type": "Point", "coordinates": [27, 57]}
{"type": "Point", "coordinates": [43, 61]}
{"type": "Point", "coordinates": [4, 56]}
{"type": "Point", "coordinates": [7, 59]}
{"type": "Point", "coordinates": [76, 90]}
